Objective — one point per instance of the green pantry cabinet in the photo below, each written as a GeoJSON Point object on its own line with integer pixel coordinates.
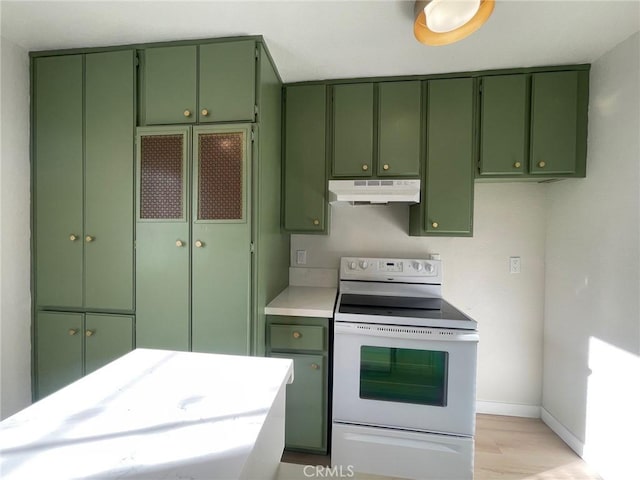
{"type": "Point", "coordinates": [305, 341]}
{"type": "Point", "coordinates": [84, 209]}
{"type": "Point", "coordinates": [209, 251]}
{"type": "Point", "coordinates": [83, 111]}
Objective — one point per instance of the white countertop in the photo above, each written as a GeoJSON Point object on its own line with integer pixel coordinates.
{"type": "Point", "coordinates": [152, 414]}
{"type": "Point", "coordinates": [304, 302]}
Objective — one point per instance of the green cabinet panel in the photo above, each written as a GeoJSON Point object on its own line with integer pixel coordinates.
{"type": "Point", "coordinates": [58, 349]}
{"type": "Point", "coordinates": [169, 85]}
{"type": "Point", "coordinates": [162, 238]}
{"type": "Point", "coordinates": [227, 81]}
{"type": "Point", "coordinates": [58, 159]}
{"type": "Point", "coordinates": [504, 125]}
{"type": "Point", "coordinates": [447, 203]}
{"type": "Point", "coordinates": [109, 157]}
{"type": "Point", "coordinates": [450, 157]}
{"type": "Point", "coordinates": [306, 421]}
{"type": "Point", "coordinates": [558, 122]}
{"type": "Point", "coordinates": [399, 128]}
{"type": "Point", "coordinates": [305, 180]}
{"type": "Point", "coordinates": [107, 337]}
{"type": "Point", "coordinates": [221, 244]}
{"type": "Point", "coordinates": [352, 153]}
{"type": "Point", "coordinates": [70, 345]}
{"type": "Point", "coordinates": [297, 337]}
{"type": "Point", "coordinates": [304, 340]}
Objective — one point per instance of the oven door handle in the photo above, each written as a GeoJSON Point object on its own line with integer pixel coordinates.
{"type": "Point", "coordinates": [409, 333]}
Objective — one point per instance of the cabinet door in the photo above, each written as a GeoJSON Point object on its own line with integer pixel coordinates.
{"type": "Point", "coordinates": [558, 122]}
{"type": "Point", "coordinates": [58, 350]}
{"type": "Point", "coordinates": [399, 129]}
{"type": "Point", "coordinates": [221, 244]}
{"type": "Point", "coordinates": [305, 180]}
{"type": "Point", "coordinates": [162, 239]}
{"type": "Point", "coordinates": [58, 181]}
{"type": "Point", "coordinates": [504, 124]}
{"type": "Point", "coordinates": [109, 133]}
{"type": "Point", "coordinates": [107, 337]}
{"type": "Point", "coordinates": [352, 130]}
{"type": "Point", "coordinates": [169, 85]}
{"type": "Point", "coordinates": [449, 169]}
{"type": "Point", "coordinates": [227, 82]}
{"type": "Point", "coordinates": [306, 413]}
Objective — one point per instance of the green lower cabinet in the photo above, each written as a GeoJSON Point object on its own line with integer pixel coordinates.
{"type": "Point", "coordinates": [70, 345]}
{"type": "Point", "coordinates": [446, 207]}
{"type": "Point", "coordinates": [305, 341]}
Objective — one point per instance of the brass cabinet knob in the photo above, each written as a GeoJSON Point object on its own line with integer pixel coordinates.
{"type": "Point", "coordinates": [73, 331]}
{"type": "Point", "coordinates": [517, 165]}
{"type": "Point", "coordinates": [179, 243]}
{"type": "Point", "coordinates": [89, 333]}
{"type": "Point", "coordinates": [385, 167]}
{"type": "Point", "coordinates": [365, 167]}
{"type": "Point", "coordinates": [205, 112]}
{"type": "Point", "coordinates": [187, 113]}
{"type": "Point", "coordinates": [315, 366]}
{"type": "Point", "coordinates": [296, 334]}
{"type": "Point", "coordinates": [198, 244]}
{"type": "Point", "coordinates": [89, 239]}
{"type": "Point", "coordinates": [542, 164]}
{"type": "Point", "coordinates": [316, 221]}
{"type": "Point", "coordinates": [434, 224]}
{"type": "Point", "coordinates": [73, 237]}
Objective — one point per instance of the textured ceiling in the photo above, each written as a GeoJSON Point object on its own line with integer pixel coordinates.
{"type": "Point", "coordinates": [311, 40]}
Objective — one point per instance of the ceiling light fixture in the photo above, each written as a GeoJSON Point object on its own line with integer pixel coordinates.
{"type": "Point", "coordinates": [441, 22]}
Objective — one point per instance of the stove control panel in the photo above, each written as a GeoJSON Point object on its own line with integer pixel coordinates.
{"type": "Point", "coordinates": [389, 269]}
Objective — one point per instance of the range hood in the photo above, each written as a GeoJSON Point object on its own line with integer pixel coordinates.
{"type": "Point", "coordinates": [374, 191]}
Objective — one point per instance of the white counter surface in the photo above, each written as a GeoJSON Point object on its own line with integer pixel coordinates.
{"type": "Point", "coordinates": [155, 414]}
{"type": "Point", "coordinates": [304, 302]}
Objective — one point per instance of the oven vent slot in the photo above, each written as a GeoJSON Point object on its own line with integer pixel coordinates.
{"type": "Point", "coordinates": [420, 331]}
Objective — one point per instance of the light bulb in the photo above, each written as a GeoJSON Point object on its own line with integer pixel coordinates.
{"type": "Point", "coordinates": [447, 15]}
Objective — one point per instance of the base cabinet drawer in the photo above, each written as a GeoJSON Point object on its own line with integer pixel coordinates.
{"type": "Point", "coordinates": [296, 337]}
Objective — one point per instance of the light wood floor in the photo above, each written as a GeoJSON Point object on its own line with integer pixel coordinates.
{"type": "Point", "coordinates": [507, 448]}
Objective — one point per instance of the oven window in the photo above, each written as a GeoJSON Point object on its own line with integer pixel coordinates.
{"type": "Point", "coordinates": [404, 375]}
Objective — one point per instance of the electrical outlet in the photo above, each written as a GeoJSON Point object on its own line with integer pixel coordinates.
{"type": "Point", "coordinates": [301, 257]}
{"type": "Point", "coordinates": [514, 264]}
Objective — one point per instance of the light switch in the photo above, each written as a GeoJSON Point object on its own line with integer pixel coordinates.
{"type": "Point", "coordinates": [514, 264]}
{"type": "Point", "coordinates": [301, 257]}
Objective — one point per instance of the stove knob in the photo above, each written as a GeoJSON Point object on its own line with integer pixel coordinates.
{"type": "Point", "coordinates": [428, 267]}
{"type": "Point", "coordinates": [364, 264]}
{"type": "Point", "coordinates": [418, 266]}
{"type": "Point", "coordinates": [352, 265]}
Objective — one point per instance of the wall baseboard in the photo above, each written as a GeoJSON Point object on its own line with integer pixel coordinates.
{"type": "Point", "coordinates": [569, 438]}
{"type": "Point", "coordinates": [508, 409]}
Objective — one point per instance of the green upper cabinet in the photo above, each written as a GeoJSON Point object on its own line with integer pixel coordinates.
{"type": "Point", "coordinates": [504, 125]}
{"type": "Point", "coordinates": [58, 159]}
{"type": "Point", "coordinates": [227, 82]}
{"type": "Point", "coordinates": [446, 208]}
{"type": "Point", "coordinates": [352, 153]}
{"type": "Point", "coordinates": [399, 129]}
{"type": "Point", "coordinates": [83, 169]}
{"type": "Point", "coordinates": [213, 82]}
{"type": "Point", "coordinates": [534, 125]}
{"type": "Point", "coordinates": [169, 90]}
{"type": "Point", "coordinates": [305, 179]}
{"type": "Point", "coordinates": [559, 103]}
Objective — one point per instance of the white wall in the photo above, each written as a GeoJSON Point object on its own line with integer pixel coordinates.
{"type": "Point", "coordinates": [592, 314]}
{"type": "Point", "coordinates": [15, 303]}
{"type": "Point", "coordinates": [509, 220]}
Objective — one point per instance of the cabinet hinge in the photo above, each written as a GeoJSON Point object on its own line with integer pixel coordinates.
{"type": "Point", "coordinates": [257, 52]}
{"type": "Point", "coordinates": [253, 136]}
{"type": "Point", "coordinates": [252, 247]}
{"type": "Point", "coordinates": [137, 62]}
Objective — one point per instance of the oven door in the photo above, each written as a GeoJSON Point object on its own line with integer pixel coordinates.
{"type": "Point", "coordinates": [413, 378]}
